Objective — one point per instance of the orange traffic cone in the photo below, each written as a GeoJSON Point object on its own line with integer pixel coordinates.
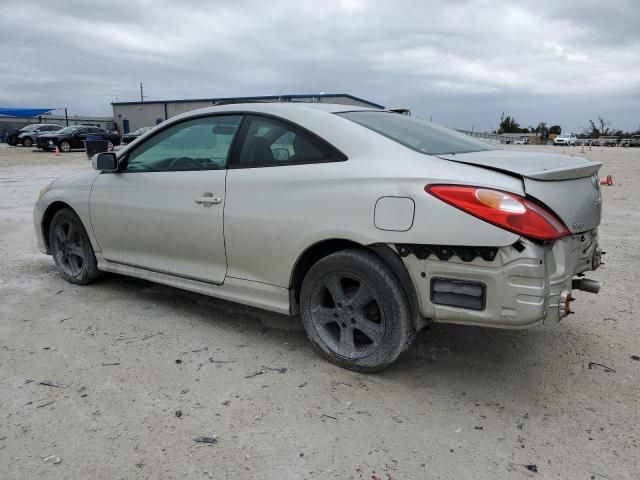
{"type": "Point", "coordinates": [607, 181]}
{"type": "Point", "coordinates": [57, 152]}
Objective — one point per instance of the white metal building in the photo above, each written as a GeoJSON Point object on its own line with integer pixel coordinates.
{"type": "Point", "coordinates": [130, 116]}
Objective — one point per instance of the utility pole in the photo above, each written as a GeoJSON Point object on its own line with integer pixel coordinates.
{"type": "Point", "coordinates": [66, 116]}
{"type": "Point", "coordinates": [141, 94]}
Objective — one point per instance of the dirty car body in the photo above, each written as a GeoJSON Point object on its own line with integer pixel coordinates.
{"type": "Point", "coordinates": [368, 223]}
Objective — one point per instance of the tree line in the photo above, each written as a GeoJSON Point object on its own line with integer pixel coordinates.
{"type": "Point", "coordinates": [599, 128]}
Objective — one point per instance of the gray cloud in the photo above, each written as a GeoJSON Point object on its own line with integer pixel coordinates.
{"type": "Point", "coordinates": [461, 62]}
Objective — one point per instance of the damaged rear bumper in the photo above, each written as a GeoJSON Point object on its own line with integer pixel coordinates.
{"type": "Point", "coordinates": [518, 286]}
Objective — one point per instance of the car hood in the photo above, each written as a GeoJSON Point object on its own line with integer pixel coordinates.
{"type": "Point", "coordinates": [538, 166]}
{"type": "Point", "coordinates": [53, 134]}
{"type": "Point", "coordinates": [75, 179]}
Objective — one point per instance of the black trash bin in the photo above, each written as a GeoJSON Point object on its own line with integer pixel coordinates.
{"type": "Point", "coordinates": [95, 144]}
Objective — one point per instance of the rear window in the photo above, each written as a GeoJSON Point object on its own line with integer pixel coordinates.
{"type": "Point", "coordinates": [419, 135]}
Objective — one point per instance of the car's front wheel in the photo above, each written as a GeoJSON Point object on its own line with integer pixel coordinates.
{"type": "Point", "coordinates": [65, 146]}
{"type": "Point", "coordinates": [27, 142]}
{"type": "Point", "coordinates": [355, 311]}
{"type": "Point", "coordinates": [71, 248]}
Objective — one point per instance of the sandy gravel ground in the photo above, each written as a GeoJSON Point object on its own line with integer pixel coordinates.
{"type": "Point", "coordinates": [125, 356]}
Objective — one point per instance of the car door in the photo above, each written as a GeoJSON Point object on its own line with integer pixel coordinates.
{"type": "Point", "coordinates": [78, 138]}
{"type": "Point", "coordinates": [164, 210]}
{"type": "Point", "coordinates": [275, 186]}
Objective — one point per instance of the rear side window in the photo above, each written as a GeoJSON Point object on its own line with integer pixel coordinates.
{"type": "Point", "coordinates": [269, 142]}
{"type": "Point", "coordinates": [419, 135]}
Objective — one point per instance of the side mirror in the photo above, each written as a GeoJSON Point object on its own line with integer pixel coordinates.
{"type": "Point", "coordinates": [105, 162]}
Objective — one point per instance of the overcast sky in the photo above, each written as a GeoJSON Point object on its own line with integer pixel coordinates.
{"type": "Point", "coordinates": [460, 62]}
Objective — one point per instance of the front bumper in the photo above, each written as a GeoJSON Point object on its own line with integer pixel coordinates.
{"type": "Point", "coordinates": [521, 286]}
{"type": "Point", "coordinates": [46, 143]}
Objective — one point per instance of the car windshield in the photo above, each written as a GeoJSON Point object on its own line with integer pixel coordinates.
{"type": "Point", "coordinates": [68, 130]}
{"type": "Point", "coordinates": [29, 128]}
{"type": "Point", "coordinates": [140, 131]}
{"type": "Point", "coordinates": [419, 135]}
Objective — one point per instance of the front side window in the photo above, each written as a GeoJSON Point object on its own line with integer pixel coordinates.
{"type": "Point", "coordinates": [271, 142]}
{"type": "Point", "coordinates": [419, 135]}
{"type": "Point", "coordinates": [198, 144]}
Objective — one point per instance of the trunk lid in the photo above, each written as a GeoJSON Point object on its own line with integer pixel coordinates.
{"type": "Point", "coordinates": [569, 186]}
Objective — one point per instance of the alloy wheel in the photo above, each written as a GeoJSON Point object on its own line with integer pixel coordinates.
{"type": "Point", "coordinates": [347, 315]}
{"type": "Point", "coordinates": [67, 248]}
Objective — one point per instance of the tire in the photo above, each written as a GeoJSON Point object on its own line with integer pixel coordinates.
{"type": "Point", "coordinates": [355, 311]}
{"type": "Point", "coordinates": [65, 146]}
{"type": "Point", "coordinates": [71, 248]}
{"type": "Point", "coordinates": [27, 142]}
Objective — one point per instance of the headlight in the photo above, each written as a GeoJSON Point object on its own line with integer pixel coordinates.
{"type": "Point", "coordinates": [45, 189]}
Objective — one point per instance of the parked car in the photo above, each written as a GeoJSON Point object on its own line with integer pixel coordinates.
{"type": "Point", "coordinates": [73, 137]}
{"type": "Point", "coordinates": [634, 141]}
{"type": "Point", "coordinates": [130, 137]}
{"type": "Point", "coordinates": [521, 141]}
{"type": "Point", "coordinates": [27, 136]}
{"type": "Point", "coordinates": [566, 140]}
{"type": "Point", "coordinates": [369, 224]}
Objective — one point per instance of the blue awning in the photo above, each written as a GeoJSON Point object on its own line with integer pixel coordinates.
{"type": "Point", "coordinates": [23, 112]}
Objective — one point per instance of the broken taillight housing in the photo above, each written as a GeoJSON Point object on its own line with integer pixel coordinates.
{"type": "Point", "coordinates": [505, 210]}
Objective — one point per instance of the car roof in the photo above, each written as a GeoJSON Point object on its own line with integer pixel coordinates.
{"type": "Point", "coordinates": [281, 107]}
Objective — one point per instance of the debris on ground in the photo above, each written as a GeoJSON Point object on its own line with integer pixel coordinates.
{"type": "Point", "coordinates": [280, 370]}
{"type": "Point", "coordinates": [110, 364]}
{"type": "Point", "coordinates": [47, 383]}
{"type": "Point", "coordinates": [532, 467]}
{"type": "Point", "coordinates": [604, 367]}
{"type": "Point", "coordinates": [324, 415]}
{"type": "Point", "coordinates": [212, 439]}
{"type": "Point", "coordinates": [635, 357]}
{"type": "Point", "coordinates": [147, 337]}
{"type": "Point", "coordinates": [56, 460]}
{"type": "Point", "coordinates": [178, 361]}
{"type": "Point", "coordinates": [212, 360]}
{"type": "Point", "coordinates": [178, 413]}
{"type": "Point", "coordinates": [45, 404]}
{"type": "Point", "coordinates": [303, 384]}
{"type": "Point", "coordinates": [254, 374]}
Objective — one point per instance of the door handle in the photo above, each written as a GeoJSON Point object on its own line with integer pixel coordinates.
{"type": "Point", "coordinates": [208, 199]}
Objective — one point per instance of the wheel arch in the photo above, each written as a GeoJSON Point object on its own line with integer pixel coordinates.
{"type": "Point", "coordinates": [386, 254]}
{"type": "Point", "coordinates": [51, 210]}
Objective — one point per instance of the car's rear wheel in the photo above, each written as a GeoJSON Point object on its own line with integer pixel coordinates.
{"type": "Point", "coordinates": [65, 146]}
{"type": "Point", "coordinates": [355, 311]}
{"type": "Point", "coordinates": [27, 142]}
{"type": "Point", "coordinates": [71, 248]}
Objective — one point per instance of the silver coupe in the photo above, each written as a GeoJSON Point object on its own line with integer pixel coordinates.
{"type": "Point", "coordinates": [367, 223]}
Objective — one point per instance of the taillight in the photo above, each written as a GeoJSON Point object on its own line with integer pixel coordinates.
{"type": "Point", "coordinates": [505, 210]}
